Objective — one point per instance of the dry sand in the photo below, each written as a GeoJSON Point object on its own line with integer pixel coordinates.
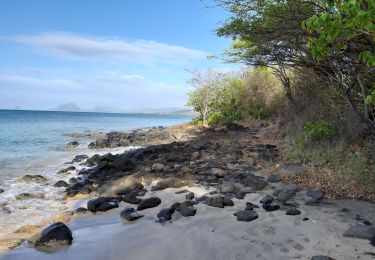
{"type": "Point", "coordinates": [213, 233]}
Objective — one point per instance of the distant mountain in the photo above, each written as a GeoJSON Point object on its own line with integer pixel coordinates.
{"type": "Point", "coordinates": [70, 107]}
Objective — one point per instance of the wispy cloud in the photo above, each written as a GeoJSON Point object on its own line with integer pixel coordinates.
{"type": "Point", "coordinates": [69, 45]}
{"type": "Point", "coordinates": [107, 89]}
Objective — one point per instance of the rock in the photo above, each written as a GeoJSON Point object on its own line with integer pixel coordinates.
{"type": "Point", "coordinates": [235, 127]}
{"type": "Point", "coordinates": [81, 210]}
{"type": "Point", "coordinates": [240, 195]}
{"type": "Point", "coordinates": [170, 182]}
{"type": "Point", "coordinates": [1, 190]}
{"type": "Point", "coordinates": [291, 169]}
{"type": "Point", "coordinates": [360, 231]}
{"type": "Point", "coordinates": [293, 212]}
{"type": "Point", "coordinates": [92, 145]}
{"type": "Point", "coordinates": [130, 214]}
{"type": "Point", "coordinates": [87, 189]}
{"type": "Point", "coordinates": [246, 215]}
{"type": "Point", "coordinates": [32, 178]}
{"type": "Point", "coordinates": [315, 194]}
{"type": "Point", "coordinates": [228, 187]}
{"type": "Point", "coordinates": [266, 199]}
{"type": "Point", "coordinates": [27, 229]}
{"type": "Point", "coordinates": [219, 173]}
{"type": "Point", "coordinates": [283, 196]}
{"type": "Point", "coordinates": [254, 182]}
{"type": "Point", "coordinates": [60, 184]}
{"type": "Point", "coordinates": [165, 214]}
{"type": "Point", "coordinates": [195, 156]}
{"type": "Point", "coordinates": [228, 202]}
{"type": "Point", "coordinates": [72, 145]}
{"type": "Point", "coordinates": [182, 191]}
{"type": "Point", "coordinates": [269, 207]}
{"type": "Point", "coordinates": [80, 158]}
{"type": "Point", "coordinates": [321, 257]}
{"type": "Point", "coordinates": [215, 201]}
{"type": "Point", "coordinates": [10, 243]}
{"type": "Point", "coordinates": [149, 203]}
{"type": "Point", "coordinates": [25, 196]}
{"type": "Point", "coordinates": [67, 170]}
{"type": "Point", "coordinates": [305, 219]}
{"type": "Point", "coordinates": [55, 235]}
{"type": "Point", "coordinates": [250, 206]}
{"type": "Point", "coordinates": [157, 167]}
{"type": "Point", "coordinates": [185, 209]}
{"type": "Point", "coordinates": [73, 181]}
{"type": "Point", "coordinates": [132, 198]}
{"type": "Point", "coordinates": [189, 196]}
{"type": "Point", "coordinates": [273, 178]}
{"type": "Point", "coordinates": [103, 204]}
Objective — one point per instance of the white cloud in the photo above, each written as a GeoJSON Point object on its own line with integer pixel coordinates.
{"type": "Point", "coordinates": [68, 45]}
{"type": "Point", "coordinates": [108, 89]}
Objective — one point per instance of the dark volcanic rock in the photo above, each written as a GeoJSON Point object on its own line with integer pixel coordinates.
{"type": "Point", "coordinates": [103, 204]}
{"type": "Point", "coordinates": [250, 206]}
{"type": "Point", "coordinates": [228, 202]}
{"type": "Point", "coordinates": [360, 231]}
{"type": "Point", "coordinates": [130, 214]}
{"type": "Point", "coordinates": [254, 182]}
{"type": "Point", "coordinates": [189, 196]}
{"type": "Point", "coordinates": [60, 184]}
{"type": "Point", "coordinates": [25, 196]}
{"type": "Point", "coordinates": [215, 201]}
{"type": "Point", "coordinates": [269, 207]}
{"type": "Point", "coordinates": [132, 197]}
{"type": "Point", "coordinates": [72, 145]}
{"type": "Point", "coordinates": [1, 190]}
{"type": "Point", "coordinates": [266, 199]}
{"type": "Point", "coordinates": [149, 203]}
{"type": "Point", "coordinates": [185, 208]}
{"type": "Point", "coordinates": [81, 210]}
{"type": "Point", "coordinates": [315, 194]}
{"type": "Point", "coordinates": [293, 212]}
{"type": "Point", "coordinates": [182, 191]}
{"type": "Point", "coordinates": [240, 195]}
{"type": "Point", "coordinates": [273, 178]}
{"type": "Point", "coordinates": [283, 196]}
{"type": "Point", "coordinates": [321, 257]}
{"type": "Point", "coordinates": [246, 215]}
{"type": "Point", "coordinates": [55, 235]}
{"type": "Point", "coordinates": [80, 158]}
{"type": "Point", "coordinates": [165, 214]}
{"type": "Point", "coordinates": [311, 201]}
{"type": "Point", "coordinates": [32, 178]}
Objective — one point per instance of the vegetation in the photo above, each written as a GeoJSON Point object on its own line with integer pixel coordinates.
{"type": "Point", "coordinates": [311, 65]}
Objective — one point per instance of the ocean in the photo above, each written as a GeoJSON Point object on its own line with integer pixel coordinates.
{"type": "Point", "coordinates": [34, 142]}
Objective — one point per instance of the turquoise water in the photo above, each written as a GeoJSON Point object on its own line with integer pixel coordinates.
{"type": "Point", "coordinates": [27, 137]}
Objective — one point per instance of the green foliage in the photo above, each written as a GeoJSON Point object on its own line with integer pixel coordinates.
{"type": "Point", "coordinates": [316, 130]}
{"type": "Point", "coordinates": [197, 121]}
{"type": "Point", "coordinates": [259, 112]}
{"type": "Point", "coordinates": [343, 26]}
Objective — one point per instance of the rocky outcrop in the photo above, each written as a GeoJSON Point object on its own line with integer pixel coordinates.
{"type": "Point", "coordinates": [32, 178]}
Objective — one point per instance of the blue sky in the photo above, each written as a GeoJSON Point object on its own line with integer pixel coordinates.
{"type": "Point", "coordinates": [118, 53]}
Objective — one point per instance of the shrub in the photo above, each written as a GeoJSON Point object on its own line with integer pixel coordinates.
{"type": "Point", "coordinates": [316, 130]}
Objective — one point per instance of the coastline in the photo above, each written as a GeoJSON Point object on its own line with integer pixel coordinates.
{"type": "Point", "coordinates": [213, 232]}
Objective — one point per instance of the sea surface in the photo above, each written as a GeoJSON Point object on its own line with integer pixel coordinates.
{"type": "Point", "coordinates": [34, 142]}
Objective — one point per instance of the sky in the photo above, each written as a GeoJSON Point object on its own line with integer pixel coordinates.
{"type": "Point", "coordinates": [115, 53]}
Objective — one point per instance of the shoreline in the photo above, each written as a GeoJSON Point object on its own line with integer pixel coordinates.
{"type": "Point", "coordinates": [152, 173]}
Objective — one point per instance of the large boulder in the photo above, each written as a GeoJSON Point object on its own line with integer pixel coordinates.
{"type": "Point", "coordinates": [185, 208]}
{"type": "Point", "coordinates": [55, 235]}
{"type": "Point", "coordinates": [256, 183]}
{"type": "Point", "coordinates": [165, 214]}
{"type": "Point", "coordinates": [149, 203]}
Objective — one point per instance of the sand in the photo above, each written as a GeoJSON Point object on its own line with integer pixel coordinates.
{"type": "Point", "coordinates": [213, 233]}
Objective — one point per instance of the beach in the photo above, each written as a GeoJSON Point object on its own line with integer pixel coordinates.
{"type": "Point", "coordinates": [216, 173]}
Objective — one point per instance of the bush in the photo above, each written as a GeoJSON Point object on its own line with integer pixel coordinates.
{"type": "Point", "coordinates": [316, 130]}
